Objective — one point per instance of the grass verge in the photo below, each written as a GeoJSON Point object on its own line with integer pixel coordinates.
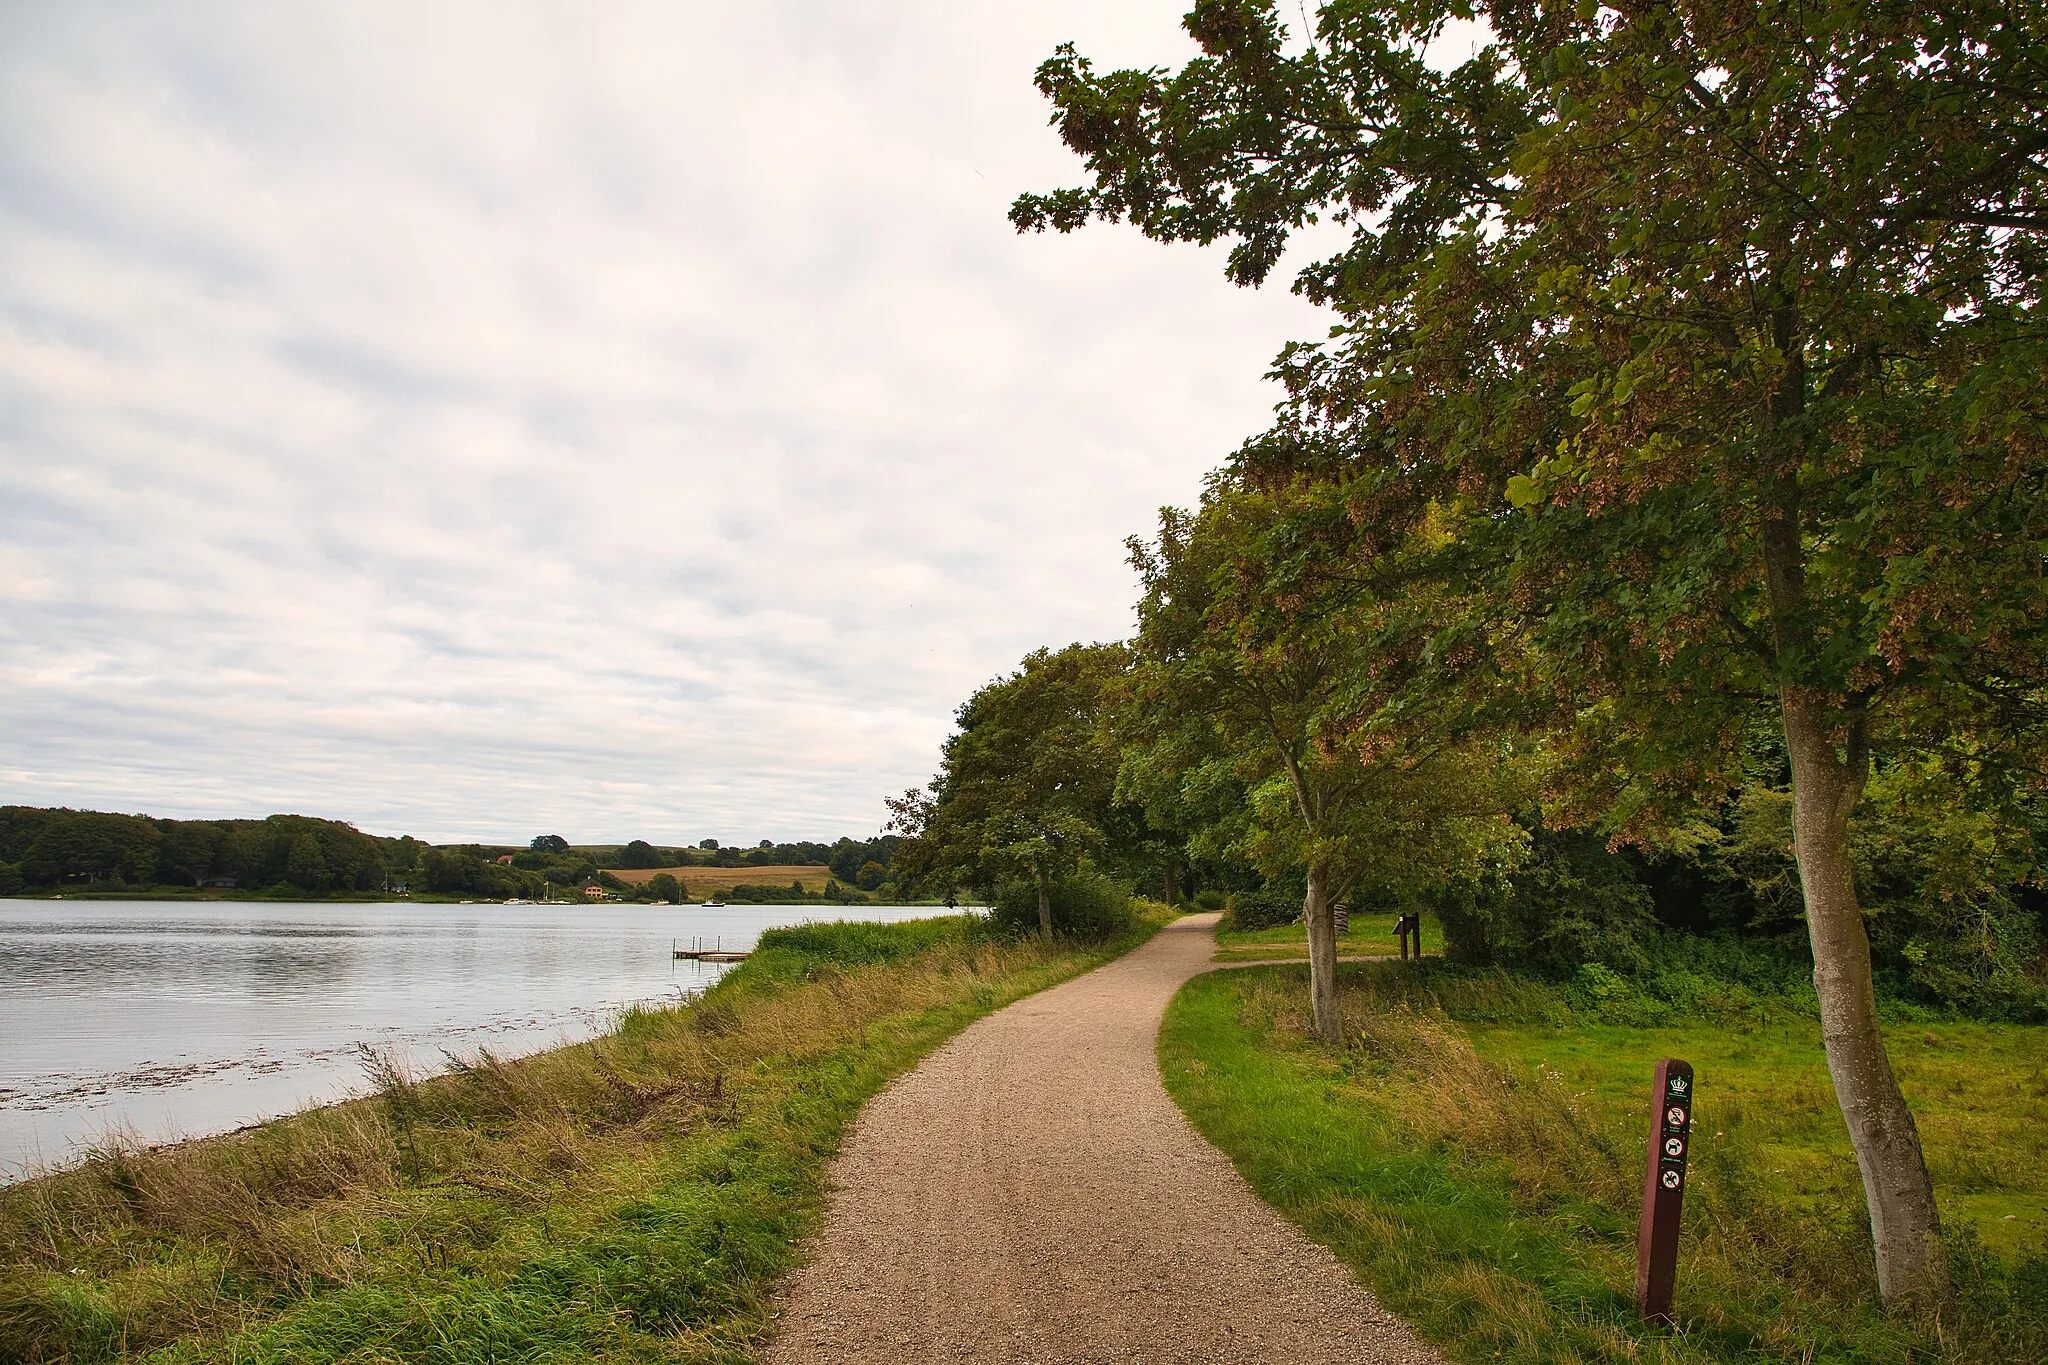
{"type": "Point", "coordinates": [1475, 1155]}
{"type": "Point", "coordinates": [1282, 953]}
{"type": "Point", "coordinates": [1370, 935]}
{"type": "Point", "coordinates": [630, 1199]}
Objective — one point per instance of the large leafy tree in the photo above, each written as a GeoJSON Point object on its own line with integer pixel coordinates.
{"type": "Point", "coordinates": [1264, 664]}
{"type": "Point", "coordinates": [1025, 786]}
{"type": "Point", "coordinates": [1716, 328]}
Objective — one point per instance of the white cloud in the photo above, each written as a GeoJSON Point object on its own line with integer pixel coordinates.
{"type": "Point", "coordinates": [626, 420]}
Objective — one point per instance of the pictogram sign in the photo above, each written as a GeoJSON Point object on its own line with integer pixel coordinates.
{"type": "Point", "coordinates": [1663, 1188]}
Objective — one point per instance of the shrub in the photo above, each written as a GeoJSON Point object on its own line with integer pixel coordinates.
{"type": "Point", "coordinates": [1086, 905]}
{"type": "Point", "coordinates": [1572, 903]}
{"type": "Point", "coordinates": [800, 951]}
{"type": "Point", "coordinates": [1267, 908]}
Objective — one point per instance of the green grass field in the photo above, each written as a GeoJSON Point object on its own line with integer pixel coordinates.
{"type": "Point", "coordinates": [1476, 1151]}
{"type": "Point", "coordinates": [631, 1199]}
{"type": "Point", "coordinates": [1368, 936]}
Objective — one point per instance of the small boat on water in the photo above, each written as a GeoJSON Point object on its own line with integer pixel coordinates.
{"type": "Point", "coordinates": [712, 905]}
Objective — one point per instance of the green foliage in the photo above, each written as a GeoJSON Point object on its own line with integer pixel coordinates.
{"type": "Point", "coordinates": [1268, 709]}
{"type": "Point", "coordinates": [1950, 884]}
{"type": "Point", "coordinates": [458, 871]}
{"type": "Point", "coordinates": [189, 851]}
{"type": "Point", "coordinates": [1086, 904]}
{"type": "Point", "coordinates": [748, 893]}
{"type": "Point", "coordinates": [1267, 908]}
{"type": "Point", "coordinates": [847, 857]}
{"type": "Point", "coordinates": [305, 866]}
{"type": "Point", "coordinates": [295, 853]}
{"type": "Point", "coordinates": [664, 888]}
{"type": "Point", "coordinates": [1660, 279]}
{"type": "Point", "coordinates": [640, 854]}
{"type": "Point", "coordinates": [1026, 785]}
{"type": "Point", "coordinates": [89, 846]}
{"type": "Point", "coordinates": [1572, 901]}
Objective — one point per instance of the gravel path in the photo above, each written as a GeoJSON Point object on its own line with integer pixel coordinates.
{"type": "Point", "coordinates": [1030, 1194]}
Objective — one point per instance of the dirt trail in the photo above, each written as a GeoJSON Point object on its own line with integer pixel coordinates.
{"type": "Point", "coordinates": [1031, 1194]}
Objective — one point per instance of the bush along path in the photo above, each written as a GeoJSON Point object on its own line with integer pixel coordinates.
{"type": "Point", "coordinates": [630, 1199]}
{"type": "Point", "coordinates": [1031, 1194]}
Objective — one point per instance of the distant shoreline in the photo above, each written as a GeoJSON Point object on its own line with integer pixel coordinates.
{"type": "Point", "coordinates": [192, 896]}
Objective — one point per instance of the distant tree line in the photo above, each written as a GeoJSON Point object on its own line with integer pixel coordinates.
{"type": "Point", "coordinates": [44, 849]}
{"type": "Point", "coordinates": [846, 857]}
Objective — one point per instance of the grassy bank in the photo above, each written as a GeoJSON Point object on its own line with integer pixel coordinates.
{"type": "Point", "coordinates": [630, 1199]}
{"type": "Point", "coordinates": [1367, 935]}
{"type": "Point", "coordinates": [1475, 1154]}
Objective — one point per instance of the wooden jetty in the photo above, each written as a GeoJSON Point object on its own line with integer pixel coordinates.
{"type": "Point", "coordinates": [717, 952]}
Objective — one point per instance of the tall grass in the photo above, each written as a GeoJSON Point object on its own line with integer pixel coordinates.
{"type": "Point", "coordinates": [632, 1198]}
{"type": "Point", "coordinates": [1476, 1150]}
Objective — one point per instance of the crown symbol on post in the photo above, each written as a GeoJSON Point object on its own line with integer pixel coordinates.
{"type": "Point", "coordinates": [1678, 1085]}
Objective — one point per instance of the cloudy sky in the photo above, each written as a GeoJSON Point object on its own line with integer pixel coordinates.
{"type": "Point", "coordinates": [619, 420]}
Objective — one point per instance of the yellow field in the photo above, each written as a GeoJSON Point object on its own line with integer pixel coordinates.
{"type": "Point", "coordinates": [699, 880]}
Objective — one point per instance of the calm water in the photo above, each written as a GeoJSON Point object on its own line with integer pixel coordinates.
{"type": "Point", "coordinates": [177, 1020]}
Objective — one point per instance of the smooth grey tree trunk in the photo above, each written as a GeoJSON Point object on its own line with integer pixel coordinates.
{"type": "Point", "coordinates": [1044, 903]}
{"type": "Point", "coordinates": [1905, 1228]}
{"type": "Point", "coordinates": [1322, 955]}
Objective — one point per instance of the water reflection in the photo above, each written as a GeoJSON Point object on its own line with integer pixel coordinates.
{"type": "Point", "coordinates": [170, 1021]}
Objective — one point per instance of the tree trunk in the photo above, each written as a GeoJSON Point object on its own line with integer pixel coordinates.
{"type": "Point", "coordinates": [1905, 1228]}
{"type": "Point", "coordinates": [1172, 883]}
{"type": "Point", "coordinates": [1044, 903]}
{"type": "Point", "coordinates": [1912, 1269]}
{"type": "Point", "coordinates": [1322, 955]}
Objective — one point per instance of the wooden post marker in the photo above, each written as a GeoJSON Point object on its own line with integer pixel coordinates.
{"type": "Point", "coordinates": [1663, 1188]}
{"type": "Point", "coordinates": [1403, 927]}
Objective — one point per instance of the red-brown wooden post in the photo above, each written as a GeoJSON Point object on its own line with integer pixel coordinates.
{"type": "Point", "coordinates": [1663, 1188]}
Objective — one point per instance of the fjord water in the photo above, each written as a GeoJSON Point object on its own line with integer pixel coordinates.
{"type": "Point", "coordinates": [160, 1020]}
